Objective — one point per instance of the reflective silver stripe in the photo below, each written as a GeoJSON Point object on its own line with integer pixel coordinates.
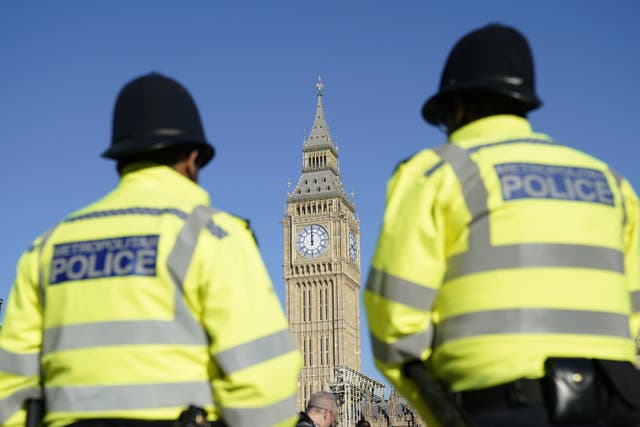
{"type": "Point", "coordinates": [533, 321]}
{"type": "Point", "coordinates": [183, 330]}
{"type": "Point", "coordinates": [180, 256]}
{"type": "Point", "coordinates": [398, 290]}
{"type": "Point", "coordinates": [635, 301]}
{"type": "Point", "coordinates": [20, 364]}
{"type": "Point", "coordinates": [473, 189]}
{"type": "Point", "coordinates": [263, 416]}
{"type": "Point", "coordinates": [253, 352]}
{"type": "Point", "coordinates": [178, 264]}
{"type": "Point", "coordinates": [13, 403]}
{"type": "Point", "coordinates": [534, 255]}
{"type": "Point", "coordinates": [405, 349]}
{"type": "Point", "coordinates": [622, 203]}
{"type": "Point", "coordinates": [127, 397]}
{"type": "Point", "coordinates": [41, 270]}
{"type": "Point", "coordinates": [482, 256]}
{"type": "Point", "coordinates": [105, 334]}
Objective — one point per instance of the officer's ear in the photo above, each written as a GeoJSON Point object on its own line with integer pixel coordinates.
{"type": "Point", "coordinates": [191, 166]}
{"type": "Point", "coordinates": [454, 113]}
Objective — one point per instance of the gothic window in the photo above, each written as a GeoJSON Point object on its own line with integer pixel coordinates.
{"type": "Point", "coordinates": [326, 350]}
{"type": "Point", "coordinates": [304, 352]}
{"type": "Point", "coordinates": [304, 304]}
{"type": "Point", "coordinates": [330, 287]}
{"type": "Point", "coordinates": [304, 393]}
{"type": "Point", "coordinates": [326, 298]}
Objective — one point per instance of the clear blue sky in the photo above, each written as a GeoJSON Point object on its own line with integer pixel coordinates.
{"type": "Point", "coordinates": [252, 68]}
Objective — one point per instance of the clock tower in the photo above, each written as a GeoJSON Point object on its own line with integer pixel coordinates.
{"type": "Point", "coordinates": [322, 264]}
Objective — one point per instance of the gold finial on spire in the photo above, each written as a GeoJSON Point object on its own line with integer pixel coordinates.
{"type": "Point", "coordinates": [319, 85]}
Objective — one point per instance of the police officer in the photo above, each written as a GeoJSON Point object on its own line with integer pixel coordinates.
{"type": "Point", "coordinates": [505, 255]}
{"type": "Point", "coordinates": [148, 303]}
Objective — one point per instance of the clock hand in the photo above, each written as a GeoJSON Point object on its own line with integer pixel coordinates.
{"type": "Point", "coordinates": [312, 235]}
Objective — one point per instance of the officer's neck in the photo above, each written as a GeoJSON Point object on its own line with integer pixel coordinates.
{"type": "Point", "coordinates": [188, 167]}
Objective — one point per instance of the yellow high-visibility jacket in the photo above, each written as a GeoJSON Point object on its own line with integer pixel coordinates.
{"type": "Point", "coordinates": [497, 250]}
{"type": "Point", "coordinates": [143, 303]}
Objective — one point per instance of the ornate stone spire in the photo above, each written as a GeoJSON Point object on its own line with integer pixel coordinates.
{"type": "Point", "coordinates": [319, 137]}
{"type": "Point", "coordinates": [320, 172]}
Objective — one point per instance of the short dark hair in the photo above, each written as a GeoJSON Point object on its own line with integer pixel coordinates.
{"type": "Point", "coordinates": [168, 156]}
{"type": "Point", "coordinates": [486, 103]}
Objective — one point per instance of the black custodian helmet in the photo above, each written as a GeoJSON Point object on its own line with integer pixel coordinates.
{"type": "Point", "coordinates": [153, 112]}
{"type": "Point", "coordinates": [494, 58]}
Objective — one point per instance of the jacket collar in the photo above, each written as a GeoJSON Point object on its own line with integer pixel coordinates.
{"type": "Point", "coordinates": [152, 177]}
{"type": "Point", "coordinates": [493, 128]}
{"type": "Point", "coordinates": [305, 420]}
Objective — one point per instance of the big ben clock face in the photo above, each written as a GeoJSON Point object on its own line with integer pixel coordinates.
{"type": "Point", "coordinates": [353, 246]}
{"type": "Point", "coordinates": [312, 241]}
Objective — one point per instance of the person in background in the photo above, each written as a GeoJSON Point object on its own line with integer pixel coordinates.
{"type": "Point", "coordinates": [148, 307]}
{"type": "Point", "coordinates": [507, 262]}
{"type": "Point", "coordinates": [321, 411]}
